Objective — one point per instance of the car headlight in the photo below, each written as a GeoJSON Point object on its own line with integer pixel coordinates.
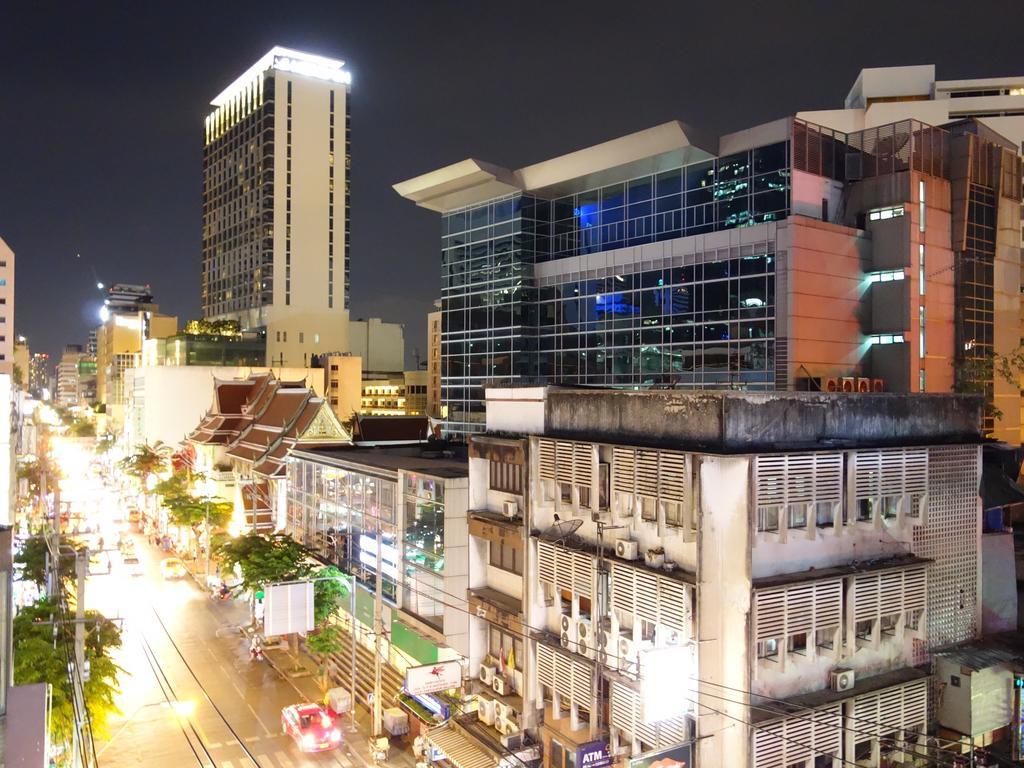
{"type": "Point", "coordinates": [335, 735]}
{"type": "Point", "coordinates": [307, 740]}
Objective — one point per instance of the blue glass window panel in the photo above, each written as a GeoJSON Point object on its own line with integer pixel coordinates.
{"type": "Point", "coordinates": [700, 176]}
{"type": "Point", "coordinates": [609, 216]}
{"type": "Point", "coordinates": [478, 217]}
{"type": "Point", "coordinates": [612, 196]}
{"type": "Point", "coordinates": [771, 181]}
{"type": "Point", "coordinates": [670, 203]}
{"type": "Point", "coordinates": [640, 190]}
{"type": "Point", "coordinates": [773, 157]}
{"type": "Point", "coordinates": [563, 208]}
{"type": "Point", "coordinates": [503, 210]}
{"type": "Point", "coordinates": [669, 183]}
{"type": "Point", "coordinates": [640, 209]}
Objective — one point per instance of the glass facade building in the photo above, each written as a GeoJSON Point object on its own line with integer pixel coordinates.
{"type": "Point", "coordinates": [344, 514]}
{"type": "Point", "coordinates": [511, 315]}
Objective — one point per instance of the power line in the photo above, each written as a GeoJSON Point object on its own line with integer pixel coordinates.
{"type": "Point", "coordinates": [195, 677]}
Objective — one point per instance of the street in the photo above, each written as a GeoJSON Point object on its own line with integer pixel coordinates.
{"type": "Point", "coordinates": [190, 694]}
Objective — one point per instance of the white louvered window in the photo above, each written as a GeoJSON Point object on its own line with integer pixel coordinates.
{"type": "Point", "coordinates": [566, 675]}
{"type": "Point", "coordinates": [800, 740]}
{"type": "Point", "coordinates": [566, 569]}
{"type": "Point", "coordinates": [888, 485]}
{"type": "Point", "coordinates": [883, 715]}
{"type": "Point", "coordinates": [799, 618]}
{"type": "Point", "coordinates": [797, 491]}
{"type": "Point", "coordinates": [886, 602]}
{"type": "Point", "coordinates": [655, 484]}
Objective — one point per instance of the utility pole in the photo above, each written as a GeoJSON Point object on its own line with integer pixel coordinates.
{"type": "Point", "coordinates": [78, 678]}
{"type": "Point", "coordinates": [352, 627]}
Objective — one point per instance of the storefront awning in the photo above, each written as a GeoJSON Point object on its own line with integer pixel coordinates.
{"type": "Point", "coordinates": [458, 749]}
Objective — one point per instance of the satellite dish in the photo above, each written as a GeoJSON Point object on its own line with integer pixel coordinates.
{"type": "Point", "coordinates": [561, 530]}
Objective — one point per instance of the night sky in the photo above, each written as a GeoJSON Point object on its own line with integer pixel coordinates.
{"type": "Point", "coordinates": [102, 107]}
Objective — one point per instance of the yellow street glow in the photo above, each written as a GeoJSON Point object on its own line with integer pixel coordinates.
{"type": "Point", "coordinates": [183, 709]}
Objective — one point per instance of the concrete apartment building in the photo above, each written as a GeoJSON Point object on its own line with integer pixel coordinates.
{"type": "Point", "coordinates": [68, 386]}
{"type": "Point", "coordinates": [791, 255]}
{"type": "Point", "coordinates": [713, 577]}
{"type": "Point", "coordinates": [275, 205]}
{"type": "Point", "coordinates": [7, 337]}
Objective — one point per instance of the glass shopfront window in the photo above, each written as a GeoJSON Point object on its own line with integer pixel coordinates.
{"type": "Point", "coordinates": [423, 529]}
{"type": "Point", "coordinates": [340, 514]}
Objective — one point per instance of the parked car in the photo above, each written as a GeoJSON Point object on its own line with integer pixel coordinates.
{"type": "Point", "coordinates": [311, 726]}
{"type": "Point", "coordinates": [172, 568]}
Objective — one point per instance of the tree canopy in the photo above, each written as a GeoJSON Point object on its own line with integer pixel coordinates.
{"type": "Point", "coordinates": [147, 460]}
{"type": "Point", "coordinates": [264, 559]}
{"type": "Point", "coordinates": [37, 660]}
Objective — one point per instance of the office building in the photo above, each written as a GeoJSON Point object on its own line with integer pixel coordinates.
{"type": "Point", "coordinates": [380, 344]}
{"type": "Point", "coordinates": [39, 375]}
{"type": "Point", "coordinates": [119, 344]}
{"type": "Point", "coordinates": [434, 360]}
{"type": "Point", "coordinates": [69, 392]}
{"type": "Point", "coordinates": [275, 205]}
{"type": "Point", "coordinates": [127, 298]}
{"type": "Point", "coordinates": [7, 337]}
{"type": "Point", "coordinates": [788, 255]}
{"type": "Point", "coordinates": [710, 577]}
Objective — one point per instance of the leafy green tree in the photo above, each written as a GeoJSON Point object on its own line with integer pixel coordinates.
{"type": "Point", "coordinates": [32, 559]}
{"type": "Point", "coordinates": [41, 656]}
{"type": "Point", "coordinates": [263, 560]}
{"type": "Point", "coordinates": [147, 460]}
{"type": "Point", "coordinates": [330, 588]}
{"type": "Point", "coordinates": [82, 428]}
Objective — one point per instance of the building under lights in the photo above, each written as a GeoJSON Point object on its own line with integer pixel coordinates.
{"type": "Point", "coordinates": [716, 578]}
{"type": "Point", "coordinates": [275, 205]}
{"type": "Point", "coordinates": [871, 248]}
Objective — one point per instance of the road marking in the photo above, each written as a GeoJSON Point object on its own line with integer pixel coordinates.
{"type": "Point", "coordinates": [284, 759]}
{"type": "Point", "coordinates": [226, 764]}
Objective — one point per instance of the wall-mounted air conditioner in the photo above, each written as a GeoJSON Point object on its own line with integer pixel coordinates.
{"type": "Point", "coordinates": [568, 632]}
{"type": "Point", "coordinates": [504, 726]}
{"type": "Point", "coordinates": [629, 656]}
{"type": "Point", "coordinates": [626, 549]}
{"type": "Point", "coordinates": [669, 636]}
{"type": "Point", "coordinates": [510, 509]}
{"type": "Point", "coordinates": [499, 685]}
{"type": "Point", "coordinates": [512, 742]}
{"type": "Point", "coordinates": [841, 679]}
{"type": "Point", "coordinates": [585, 639]}
{"type": "Point", "coordinates": [607, 648]}
{"type": "Point", "coordinates": [502, 711]}
{"type": "Point", "coordinates": [485, 710]}
{"type": "Point", "coordinates": [487, 673]}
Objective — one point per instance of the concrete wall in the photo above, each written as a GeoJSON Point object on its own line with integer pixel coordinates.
{"type": "Point", "coordinates": [749, 421]}
{"type": "Point", "coordinates": [998, 586]}
{"type": "Point", "coordinates": [312, 321]}
{"type": "Point", "coordinates": [381, 345]}
{"type": "Point", "coordinates": [824, 288]}
{"type": "Point", "coordinates": [723, 615]}
{"type": "Point", "coordinates": [345, 385]}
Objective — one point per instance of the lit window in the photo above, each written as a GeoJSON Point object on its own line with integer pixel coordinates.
{"type": "Point", "coordinates": [886, 276]}
{"type": "Point", "coordinates": [886, 338]}
{"type": "Point", "coordinates": [881, 214]}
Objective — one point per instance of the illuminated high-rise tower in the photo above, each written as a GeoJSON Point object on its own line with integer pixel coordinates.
{"type": "Point", "coordinates": [275, 204]}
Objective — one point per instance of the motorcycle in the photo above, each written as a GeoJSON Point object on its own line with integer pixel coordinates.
{"type": "Point", "coordinates": [255, 652]}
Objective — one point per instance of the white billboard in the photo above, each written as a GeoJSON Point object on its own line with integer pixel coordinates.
{"type": "Point", "coordinates": [432, 678]}
{"type": "Point", "coordinates": [288, 608]}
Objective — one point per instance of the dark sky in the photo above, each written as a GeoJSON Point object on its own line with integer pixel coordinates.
{"type": "Point", "coordinates": [102, 107]}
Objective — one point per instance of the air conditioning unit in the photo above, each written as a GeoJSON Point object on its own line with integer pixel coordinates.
{"type": "Point", "coordinates": [568, 632]}
{"type": "Point", "coordinates": [626, 549]}
{"type": "Point", "coordinates": [841, 679]}
{"type": "Point", "coordinates": [833, 385]}
{"type": "Point", "coordinates": [499, 685]}
{"type": "Point", "coordinates": [510, 509]}
{"type": "Point", "coordinates": [504, 726]}
{"type": "Point", "coordinates": [502, 711]}
{"type": "Point", "coordinates": [512, 742]}
{"type": "Point", "coordinates": [605, 648]}
{"type": "Point", "coordinates": [487, 673]}
{"type": "Point", "coordinates": [878, 385]}
{"type": "Point", "coordinates": [584, 630]}
{"type": "Point", "coordinates": [485, 710]}
{"type": "Point", "coordinates": [863, 385]}
{"type": "Point", "coordinates": [849, 384]}
{"type": "Point", "coordinates": [629, 656]}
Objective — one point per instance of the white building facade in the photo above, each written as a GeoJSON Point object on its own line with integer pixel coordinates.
{"type": "Point", "coordinates": [739, 588]}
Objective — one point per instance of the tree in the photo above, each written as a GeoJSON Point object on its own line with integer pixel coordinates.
{"type": "Point", "coordinates": [330, 587]}
{"type": "Point", "coordinates": [147, 460]}
{"type": "Point", "coordinates": [263, 560]}
{"type": "Point", "coordinates": [82, 428]}
{"type": "Point", "coordinates": [42, 651]}
{"type": "Point", "coordinates": [32, 558]}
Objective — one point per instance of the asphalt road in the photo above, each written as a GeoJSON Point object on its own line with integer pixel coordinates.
{"type": "Point", "coordinates": [190, 694]}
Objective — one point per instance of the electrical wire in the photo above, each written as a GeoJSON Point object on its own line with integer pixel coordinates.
{"type": "Point", "coordinates": [195, 677]}
{"type": "Point", "coordinates": [168, 693]}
